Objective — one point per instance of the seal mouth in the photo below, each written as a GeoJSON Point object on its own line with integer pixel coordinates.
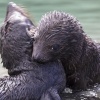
{"type": "Point", "coordinates": [39, 61]}
{"type": "Point", "coordinates": [42, 61]}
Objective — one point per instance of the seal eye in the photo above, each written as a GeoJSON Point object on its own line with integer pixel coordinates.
{"type": "Point", "coordinates": [55, 47]}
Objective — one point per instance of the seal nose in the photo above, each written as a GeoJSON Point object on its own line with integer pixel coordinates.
{"type": "Point", "coordinates": [11, 6]}
{"type": "Point", "coordinates": [36, 58]}
{"type": "Point", "coordinates": [10, 9]}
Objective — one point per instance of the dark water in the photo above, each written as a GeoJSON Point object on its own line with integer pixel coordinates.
{"type": "Point", "coordinates": [86, 11]}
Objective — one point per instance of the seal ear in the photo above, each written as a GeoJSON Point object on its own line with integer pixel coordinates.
{"type": "Point", "coordinates": [30, 31]}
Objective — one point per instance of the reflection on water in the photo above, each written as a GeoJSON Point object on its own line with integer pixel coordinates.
{"type": "Point", "coordinates": [86, 11]}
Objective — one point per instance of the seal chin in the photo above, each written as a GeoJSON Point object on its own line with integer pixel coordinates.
{"type": "Point", "coordinates": [41, 61]}
{"type": "Point", "coordinates": [37, 59]}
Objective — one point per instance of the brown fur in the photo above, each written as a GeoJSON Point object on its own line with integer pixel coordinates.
{"type": "Point", "coordinates": [61, 36]}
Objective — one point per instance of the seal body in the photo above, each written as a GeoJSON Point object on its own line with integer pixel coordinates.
{"type": "Point", "coordinates": [27, 80]}
{"type": "Point", "coordinates": [61, 36]}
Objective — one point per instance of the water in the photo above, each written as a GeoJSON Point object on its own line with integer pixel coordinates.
{"type": "Point", "coordinates": [86, 11]}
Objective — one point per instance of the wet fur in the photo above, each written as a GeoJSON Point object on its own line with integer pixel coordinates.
{"type": "Point", "coordinates": [27, 80]}
{"type": "Point", "coordinates": [61, 36]}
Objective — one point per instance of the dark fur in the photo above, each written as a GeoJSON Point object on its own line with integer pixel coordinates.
{"type": "Point", "coordinates": [27, 80]}
{"type": "Point", "coordinates": [60, 36]}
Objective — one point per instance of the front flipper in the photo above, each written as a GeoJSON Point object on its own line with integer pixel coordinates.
{"type": "Point", "coordinates": [50, 94]}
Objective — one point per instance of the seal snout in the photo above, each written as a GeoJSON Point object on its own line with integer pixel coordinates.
{"type": "Point", "coordinates": [11, 6]}
{"type": "Point", "coordinates": [37, 58]}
